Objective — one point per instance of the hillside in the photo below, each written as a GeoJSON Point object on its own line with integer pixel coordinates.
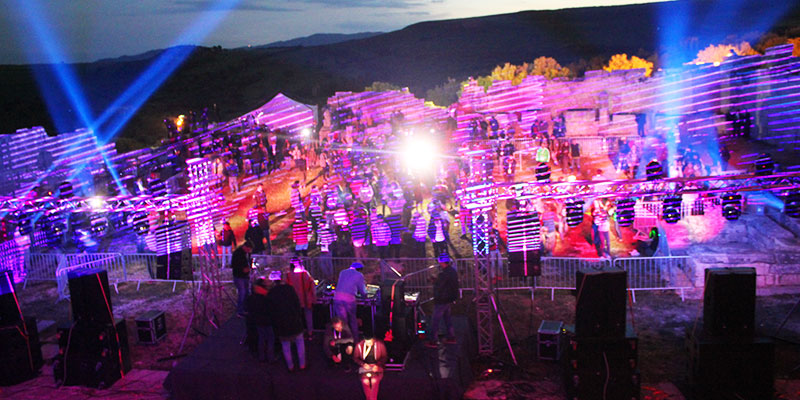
{"type": "Point", "coordinates": [419, 56]}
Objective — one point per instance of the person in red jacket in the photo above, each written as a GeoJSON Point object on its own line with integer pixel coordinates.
{"type": "Point", "coordinates": [370, 355]}
{"type": "Point", "coordinates": [303, 285]}
{"type": "Point", "coordinates": [300, 235]}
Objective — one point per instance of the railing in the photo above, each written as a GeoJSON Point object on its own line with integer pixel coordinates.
{"type": "Point", "coordinates": [112, 263]}
{"type": "Point", "coordinates": [558, 273]}
{"type": "Point", "coordinates": [658, 273]}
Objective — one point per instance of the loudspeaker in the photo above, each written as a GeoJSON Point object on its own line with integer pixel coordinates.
{"type": "Point", "coordinates": [600, 305]}
{"type": "Point", "coordinates": [20, 355]}
{"type": "Point", "coordinates": [524, 263]}
{"type": "Point", "coordinates": [729, 302]}
{"type": "Point", "coordinates": [10, 314]}
{"type": "Point", "coordinates": [602, 367]}
{"type": "Point", "coordinates": [92, 354]}
{"type": "Point", "coordinates": [731, 368]}
{"type": "Point", "coordinates": [91, 300]}
{"type": "Point", "coordinates": [170, 266]}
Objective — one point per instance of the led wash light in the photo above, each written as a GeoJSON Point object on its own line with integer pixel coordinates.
{"type": "Point", "coordinates": [731, 206]}
{"type": "Point", "coordinates": [792, 205]}
{"type": "Point", "coordinates": [671, 211]}
{"type": "Point", "coordinates": [574, 212]}
{"type": "Point", "coordinates": [625, 211]}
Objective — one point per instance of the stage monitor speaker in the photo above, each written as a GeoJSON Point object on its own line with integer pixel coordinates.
{"type": "Point", "coordinates": [600, 304]}
{"type": "Point", "coordinates": [10, 314]}
{"type": "Point", "coordinates": [20, 352]}
{"type": "Point", "coordinates": [524, 263]}
{"type": "Point", "coordinates": [729, 302]}
{"type": "Point", "coordinates": [89, 294]}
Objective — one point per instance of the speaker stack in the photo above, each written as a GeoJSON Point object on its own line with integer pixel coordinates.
{"type": "Point", "coordinates": [726, 358]}
{"type": "Point", "coordinates": [524, 244]}
{"type": "Point", "coordinates": [601, 356]}
{"type": "Point", "coordinates": [20, 351]}
{"type": "Point", "coordinates": [93, 350]}
{"type": "Point", "coordinates": [174, 251]}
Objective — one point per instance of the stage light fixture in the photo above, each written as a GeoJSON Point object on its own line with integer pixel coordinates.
{"type": "Point", "coordinates": [671, 209]}
{"type": "Point", "coordinates": [731, 206]}
{"type": "Point", "coordinates": [791, 205]}
{"type": "Point", "coordinates": [625, 211]}
{"type": "Point", "coordinates": [764, 165]}
{"type": "Point", "coordinates": [654, 170]}
{"type": "Point", "coordinates": [574, 212]}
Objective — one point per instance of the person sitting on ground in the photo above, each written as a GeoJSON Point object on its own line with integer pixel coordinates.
{"type": "Point", "coordinates": [338, 342]}
{"type": "Point", "coordinates": [371, 356]}
{"type": "Point", "coordinates": [287, 320]}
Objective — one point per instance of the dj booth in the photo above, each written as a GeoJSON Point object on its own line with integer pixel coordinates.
{"type": "Point", "coordinates": [393, 315]}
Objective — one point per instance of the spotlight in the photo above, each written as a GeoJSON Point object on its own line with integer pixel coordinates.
{"type": "Point", "coordinates": [654, 170]}
{"type": "Point", "coordinates": [97, 203]}
{"type": "Point", "coordinates": [792, 205]}
{"type": "Point", "coordinates": [731, 206]}
{"type": "Point", "coordinates": [764, 165]}
{"type": "Point", "coordinates": [574, 212]}
{"type": "Point", "coordinates": [542, 172]}
{"type": "Point", "coordinates": [671, 211]}
{"type": "Point", "coordinates": [305, 132]}
{"type": "Point", "coordinates": [419, 154]}
{"type": "Point", "coordinates": [625, 212]}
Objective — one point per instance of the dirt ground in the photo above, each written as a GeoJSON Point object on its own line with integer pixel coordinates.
{"type": "Point", "coordinates": [660, 319]}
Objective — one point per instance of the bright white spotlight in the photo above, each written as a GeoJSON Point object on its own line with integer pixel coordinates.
{"type": "Point", "coordinates": [97, 203]}
{"type": "Point", "coordinates": [305, 132]}
{"type": "Point", "coordinates": [419, 154]}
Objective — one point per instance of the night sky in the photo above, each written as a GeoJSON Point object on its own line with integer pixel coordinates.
{"type": "Point", "coordinates": [87, 30]}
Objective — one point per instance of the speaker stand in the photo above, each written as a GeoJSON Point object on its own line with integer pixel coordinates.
{"type": "Point", "coordinates": [503, 328]}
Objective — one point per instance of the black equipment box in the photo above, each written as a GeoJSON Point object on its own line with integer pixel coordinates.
{"type": "Point", "coordinates": [151, 326]}
{"type": "Point", "coordinates": [549, 340]}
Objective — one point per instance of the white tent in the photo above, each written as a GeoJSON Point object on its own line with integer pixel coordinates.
{"type": "Point", "coordinates": [282, 112]}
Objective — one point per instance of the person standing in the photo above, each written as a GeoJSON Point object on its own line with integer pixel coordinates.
{"type": "Point", "coordinates": [255, 235]}
{"type": "Point", "coordinates": [371, 356]}
{"type": "Point", "coordinates": [227, 241]}
{"type": "Point", "coordinates": [287, 321]}
{"type": "Point", "coordinates": [419, 234]}
{"type": "Point", "coordinates": [258, 313]}
{"type": "Point", "coordinates": [349, 285]}
{"type": "Point", "coordinates": [600, 228]}
{"type": "Point", "coordinates": [438, 232]}
{"type": "Point", "coordinates": [445, 292]}
{"type": "Point", "coordinates": [241, 266]}
{"type": "Point", "coordinates": [575, 155]}
{"type": "Point", "coordinates": [325, 237]}
{"type": "Point", "coordinates": [300, 235]}
{"type": "Point", "coordinates": [303, 284]}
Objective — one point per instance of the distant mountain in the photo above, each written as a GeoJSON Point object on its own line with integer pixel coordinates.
{"type": "Point", "coordinates": [320, 39]}
{"type": "Point", "coordinates": [139, 57]}
{"type": "Point", "coordinates": [420, 56]}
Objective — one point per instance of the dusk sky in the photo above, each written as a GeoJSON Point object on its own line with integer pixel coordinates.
{"type": "Point", "coordinates": [87, 30]}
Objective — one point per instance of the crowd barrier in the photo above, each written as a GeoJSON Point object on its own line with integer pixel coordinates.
{"type": "Point", "coordinates": [557, 273]}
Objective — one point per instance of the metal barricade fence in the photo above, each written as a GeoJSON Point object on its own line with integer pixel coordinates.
{"type": "Point", "coordinates": [42, 267]}
{"type": "Point", "coordinates": [658, 273]}
{"type": "Point", "coordinates": [111, 262]}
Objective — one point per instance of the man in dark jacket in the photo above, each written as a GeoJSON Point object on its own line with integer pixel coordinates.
{"type": "Point", "coordinates": [241, 266]}
{"type": "Point", "coordinates": [258, 314]}
{"type": "Point", "coordinates": [287, 320]}
{"type": "Point", "coordinates": [255, 235]}
{"type": "Point", "coordinates": [445, 292]}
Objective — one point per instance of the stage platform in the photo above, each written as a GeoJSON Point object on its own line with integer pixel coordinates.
{"type": "Point", "coordinates": [222, 368]}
